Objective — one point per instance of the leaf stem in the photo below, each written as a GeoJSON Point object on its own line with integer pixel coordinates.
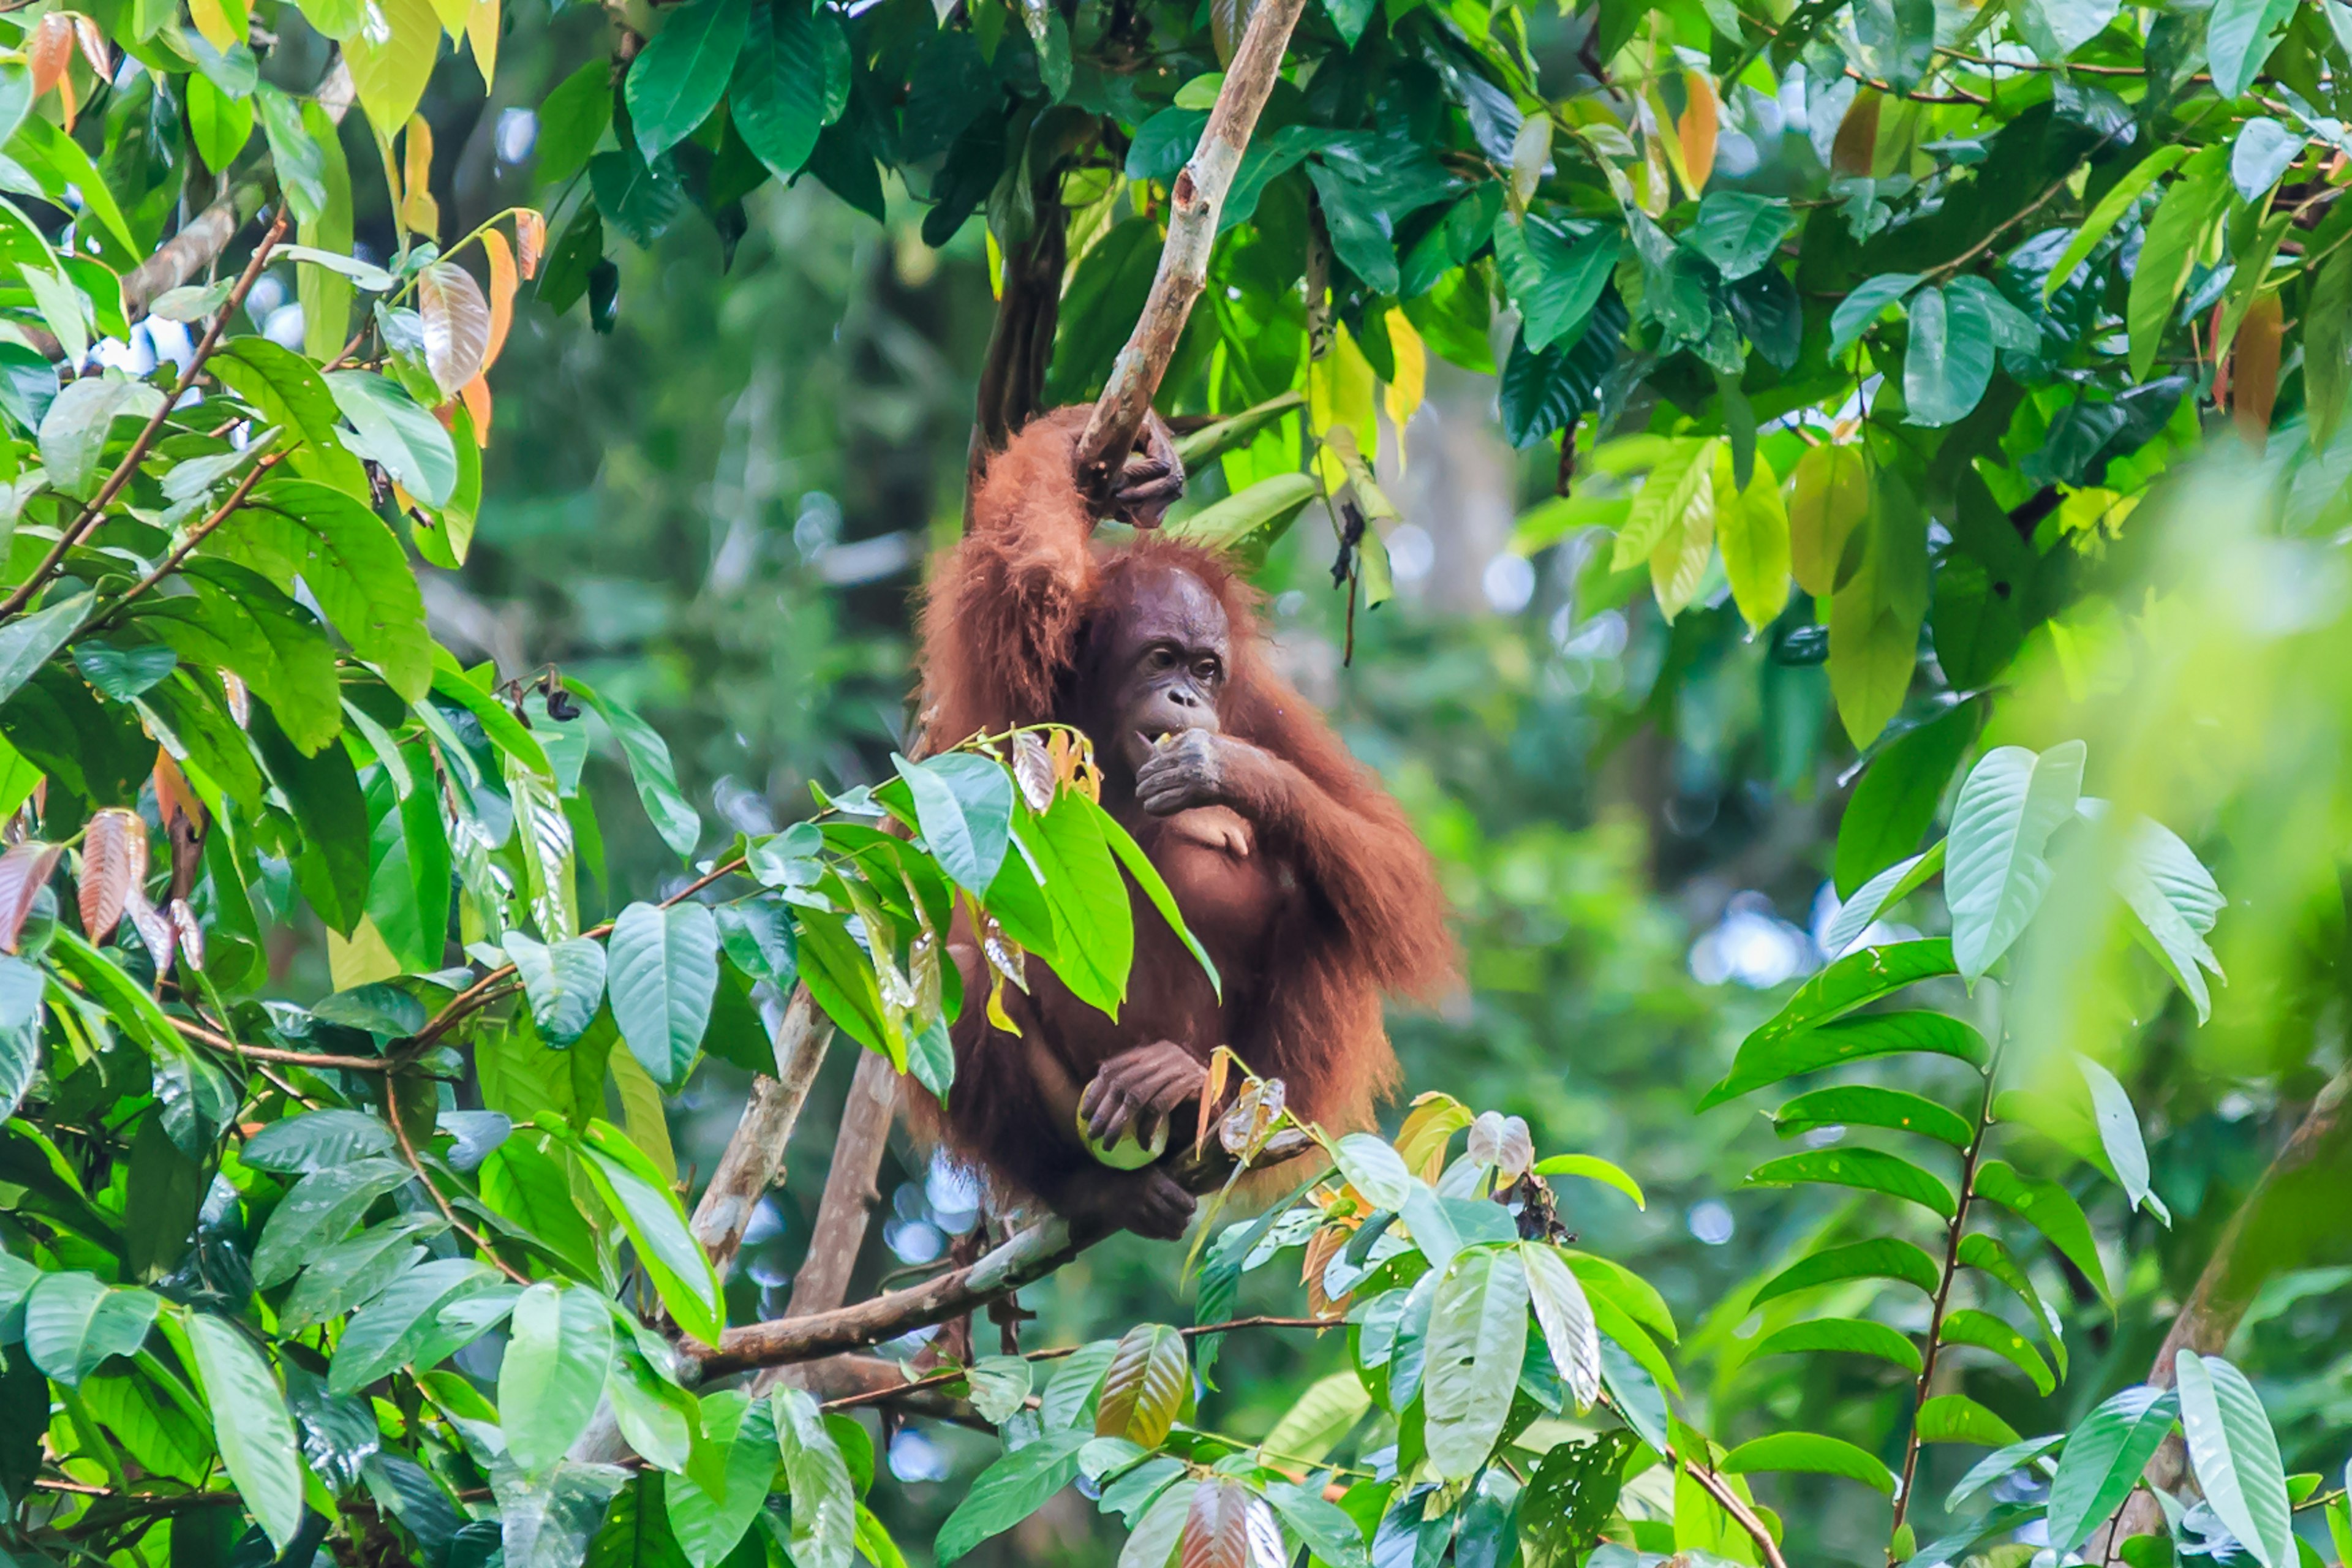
{"type": "Point", "coordinates": [409, 1153]}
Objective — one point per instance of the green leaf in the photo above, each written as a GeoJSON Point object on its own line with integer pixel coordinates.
{"type": "Point", "coordinates": [221, 125]}
{"type": "Point", "coordinates": [296, 160]}
{"type": "Point", "coordinates": [664, 974]}
{"type": "Point", "coordinates": [656, 1226]}
{"type": "Point", "coordinates": [1999, 1463]}
{"type": "Point", "coordinates": [564, 984]}
{"type": "Point", "coordinates": [1895, 804]}
{"type": "Point", "coordinates": [2174, 900]}
{"type": "Point", "coordinates": [1477, 1338]}
{"type": "Point", "coordinates": [1877, 612]}
{"type": "Point", "coordinates": [1553, 279]}
{"type": "Point", "coordinates": [352, 564]}
{"type": "Point", "coordinates": [1769, 1058]}
{"type": "Point", "coordinates": [679, 78]}
{"type": "Point", "coordinates": [2110, 210]}
{"type": "Point", "coordinates": [1607, 1280]}
{"type": "Point", "coordinates": [21, 985]}
{"type": "Point", "coordinates": [1967, 1326]}
{"type": "Point", "coordinates": [353, 1273]}
{"type": "Point", "coordinates": [1247, 524]}
{"type": "Point", "coordinates": [2239, 38]}
{"type": "Point", "coordinates": [713, 1503]}
{"type": "Point", "coordinates": [1855, 1335]}
{"type": "Point", "coordinates": [1751, 529]}
{"type": "Point", "coordinates": [1870, 1170]}
{"type": "Point", "coordinates": [826, 1519]}
{"type": "Point", "coordinates": [659, 1419]}
{"type": "Point", "coordinates": [389, 427]}
{"type": "Point", "coordinates": [2103, 1460]}
{"type": "Point", "coordinates": [963, 804]}
{"type": "Point", "coordinates": [1147, 877]}
{"type": "Point", "coordinates": [75, 430]}
{"type": "Point", "coordinates": [324, 791]}
{"type": "Point", "coordinates": [1986, 1253]}
{"type": "Point", "coordinates": [2328, 346]}
{"type": "Point", "coordinates": [1808, 1454]}
{"type": "Point", "coordinates": [572, 118]}
{"type": "Point", "coordinates": [1868, 1105]}
{"type": "Point", "coordinates": [30, 641]}
{"type": "Point", "coordinates": [2119, 1133]}
{"type": "Point", "coordinates": [73, 1321]}
{"type": "Point", "coordinates": [1950, 362]}
{"type": "Point", "coordinates": [1149, 1378]}
{"type": "Point", "coordinates": [2050, 1209]}
{"type": "Point", "coordinates": [1856, 312]}
{"type": "Point", "coordinates": [1094, 923]}
{"type": "Point", "coordinates": [249, 1421]}
{"type": "Point", "coordinates": [392, 1330]}
{"type": "Point", "coordinates": [1881, 893]}
{"type": "Point", "coordinates": [1957, 1418]}
{"type": "Point", "coordinates": [1886, 1257]}
{"type": "Point", "coordinates": [1995, 872]}
{"type": "Point", "coordinates": [1593, 1168]}
{"type": "Point", "coordinates": [2235, 1455]}
{"type": "Point", "coordinates": [1739, 232]}
{"type": "Point", "coordinates": [392, 60]}
{"type": "Point", "coordinates": [2174, 237]}
{"type": "Point", "coordinates": [1009, 1491]}
{"type": "Point", "coordinates": [777, 102]}
{"type": "Point", "coordinates": [323, 1208]}
{"type": "Point", "coordinates": [560, 1342]}
{"type": "Point", "coordinates": [1317, 1419]}
{"type": "Point", "coordinates": [1359, 229]}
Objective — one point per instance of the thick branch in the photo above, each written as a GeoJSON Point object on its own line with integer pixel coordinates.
{"type": "Point", "coordinates": [2294, 1209]}
{"type": "Point", "coordinates": [1196, 200]}
{"type": "Point", "coordinates": [755, 1154]}
{"type": "Point", "coordinates": [1029, 1257]}
{"type": "Point", "coordinates": [839, 1234]}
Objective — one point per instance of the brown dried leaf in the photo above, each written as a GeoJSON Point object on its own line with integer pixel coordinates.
{"type": "Point", "coordinates": [1504, 1143]}
{"type": "Point", "coordinates": [456, 325]}
{"type": "Point", "coordinates": [191, 934]}
{"type": "Point", "coordinates": [1321, 1248]}
{"type": "Point", "coordinates": [1143, 1393]}
{"type": "Point", "coordinates": [1033, 769]}
{"type": "Point", "coordinates": [24, 871]}
{"type": "Point", "coordinates": [113, 859]}
{"type": "Point", "coordinates": [1221, 1066]}
{"type": "Point", "coordinates": [1254, 1116]}
{"type": "Point", "coordinates": [503, 283]}
{"type": "Point", "coordinates": [530, 239]}
{"type": "Point", "coordinates": [94, 47]}
{"type": "Point", "coordinates": [157, 932]}
{"type": "Point", "coordinates": [174, 798]}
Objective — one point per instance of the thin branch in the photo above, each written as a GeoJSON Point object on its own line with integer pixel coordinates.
{"type": "Point", "coordinates": [408, 1152]}
{"type": "Point", "coordinates": [1741, 1514]}
{"type": "Point", "coordinates": [941, 1379]}
{"type": "Point", "coordinates": [1028, 1256]}
{"type": "Point", "coordinates": [197, 536]}
{"type": "Point", "coordinates": [95, 510]}
{"type": "Point", "coordinates": [1195, 200]}
{"type": "Point", "coordinates": [228, 1047]}
{"type": "Point", "coordinates": [754, 1156]}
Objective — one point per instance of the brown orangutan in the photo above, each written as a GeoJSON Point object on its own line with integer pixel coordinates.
{"type": "Point", "coordinates": [1296, 870]}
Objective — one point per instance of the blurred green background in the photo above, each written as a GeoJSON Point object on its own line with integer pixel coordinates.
{"type": "Point", "coordinates": [719, 512]}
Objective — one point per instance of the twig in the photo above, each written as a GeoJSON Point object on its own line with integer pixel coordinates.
{"type": "Point", "coordinates": [229, 1047]}
{"type": "Point", "coordinates": [197, 536]}
{"type": "Point", "coordinates": [90, 514]}
{"type": "Point", "coordinates": [1195, 200]}
{"type": "Point", "coordinates": [957, 1374]}
{"type": "Point", "coordinates": [408, 1152]}
{"type": "Point", "coordinates": [1741, 1514]}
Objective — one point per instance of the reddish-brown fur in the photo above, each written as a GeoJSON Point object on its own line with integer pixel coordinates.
{"type": "Point", "coordinates": [1333, 905]}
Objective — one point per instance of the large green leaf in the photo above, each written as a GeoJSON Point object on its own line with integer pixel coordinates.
{"type": "Point", "coordinates": [2235, 1455]}
{"type": "Point", "coordinates": [1477, 1338]}
{"type": "Point", "coordinates": [2119, 1133]}
{"type": "Point", "coordinates": [1809, 1453]}
{"type": "Point", "coordinates": [1968, 1326]}
{"type": "Point", "coordinates": [2103, 1460]}
{"type": "Point", "coordinates": [332, 810]}
{"type": "Point", "coordinates": [1886, 1257]}
{"type": "Point", "coordinates": [1868, 1105]}
{"type": "Point", "coordinates": [679, 79]}
{"type": "Point", "coordinates": [649, 765]}
{"type": "Point", "coordinates": [352, 1273]}
{"type": "Point", "coordinates": [1995, 868]}
{"type": "Point", "coordinates": [1739, 232]}
{"type": "Point", "coordinates": [30, 641]}
{"type": "Point", "coordinates": [713, 1503]}
{"type": "Point", "coordinates": [1009, 1491]}
{"type": "Point", "coordinates": [2050, 1209]}
{"type": "Point", "coordinates": [1895, 804]}
{"type": "Point", "coordinates": [1949, 361]}
{"type": "Point", "coordinates": [1768, 1057]}
{"type": "Point", "coordinates": [1553, 279]}
{"type": "Point", "coordinates": [564, 984]}
{"type": "Point", "coordinates": [251, 1425]}
{"type": "Point", "coordinates": [2171, 249]}
{"type": "Point", "coordinates": [321, 1211]}
{"type": "Point", "coordinates": [21, 985]}
{"type": "Point", "coordinates": [317, 1140]}
{"type": "Point", "coordinates": [393, 1330]}
{"type": "Point", "coordinates": [1881, 893]}
{"type": "Point", "coordinates": [1870, 1170]}
{"type": "Point", "coordinates": [656, 1225]}
{"type": "Point", "coordinates": [389, 427]}
{"type": "Point", "coordinates": [1143, 1393]}
{"type": "Point", "coordinates": [1094, 923]}
{"type": "Point", "coordinates": [663, 973]}
{"type": "Point", "coordinates": [826, 1526]}
{"type": "Point", "coordinates": [777, 102]}
{"type": "Point", "coordinates": [963, 805]}
{"type": "Point", "coordinates": [2111, 207]}
{"type": "Point", "coordinates": [75, 1321]}
{"type": "Point", "coordinates": [1957, 1418]}
{"type": "Point", "coordinates": [288, 391]}
{"type": "Point", "coordinates": [1565, 1315]}
{"type": "Point", "coordinates": [1855, 981]}
{"type": "Point", "coordinates": [2239, 38]}
{"type": "Point", "coordinates": [559, 1345]}
{"type": "Point", "coordinates": [1855, 1335]}
{"type": "Point", "coordinates": [352, 564]}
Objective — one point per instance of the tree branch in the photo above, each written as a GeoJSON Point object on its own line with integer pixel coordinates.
{"type": "Point", "coordinates": [1029, 1257]}
{"type": "Point", "coordinates": [755, 1154]}
{"type": "Point", "coordinates": [1195, 201]}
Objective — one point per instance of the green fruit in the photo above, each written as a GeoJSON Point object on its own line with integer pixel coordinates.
{"type": "Point", "coordinates": [1129, 1154]}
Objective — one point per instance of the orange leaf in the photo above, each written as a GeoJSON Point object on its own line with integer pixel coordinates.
{"type": "Point", "coordinates": [173, 798]}
{"type": "Point", "coordinates": [2253, 381]}
{"type": "Point", "coordinates": [503, 283]}
{"type": "Point", "coordinates": [1702, 118]}
{"type": "Point", "coordinates": [113, 859]}
{"type": "Point", "coordinates": [24, 872]}
{"type": "Point", "coordinates": [456, 325]}
{"type": "Point", "coordinates": [50, 50]}
{"type": "Point", "coordinates": [476, 394]}
{"type": "Point", "coordinates": [419, 211]}
{"type": "Point", "coordinates": [531, 238]}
